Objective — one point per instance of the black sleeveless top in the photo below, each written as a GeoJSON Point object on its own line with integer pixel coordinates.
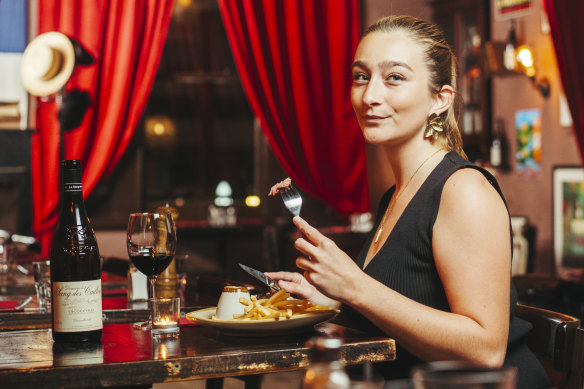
{"type": "Point", "coordinates": [405, 263]}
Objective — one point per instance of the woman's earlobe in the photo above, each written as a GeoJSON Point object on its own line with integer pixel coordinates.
{"type": "Point", "coordinates": [444, 99]}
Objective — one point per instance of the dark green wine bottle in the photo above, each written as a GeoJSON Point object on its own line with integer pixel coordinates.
{"type": "Point", "coordinates": [75, 267]}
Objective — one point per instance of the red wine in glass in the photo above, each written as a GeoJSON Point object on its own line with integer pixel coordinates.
{"type": "Point", "coordinates": [151, 242]}
{"type": "Point", "coordinates": [151, 265]}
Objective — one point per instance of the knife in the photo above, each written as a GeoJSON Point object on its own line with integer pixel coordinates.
{"type": "Point", "coordinates": [261, 276]}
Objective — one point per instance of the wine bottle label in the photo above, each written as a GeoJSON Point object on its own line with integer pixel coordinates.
{"type": "Point", "coordinates": [72, 187]}
{"type": "Point", "coordinates": [77, 306]}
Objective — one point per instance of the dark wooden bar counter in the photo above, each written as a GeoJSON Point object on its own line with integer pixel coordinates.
{"type": "Point", "coordinates": [130, 357]}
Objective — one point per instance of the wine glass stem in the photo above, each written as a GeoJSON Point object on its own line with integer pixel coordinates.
{"type": "Point", "coordinates": [151, 297]}
{"type": "Point", "coordinates": [152, 289]}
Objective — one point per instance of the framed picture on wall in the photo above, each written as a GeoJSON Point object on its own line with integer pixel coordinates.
{"type": "Point", "coordinates": [511, 9]}
{"type": "Point", "coordinates": [568, 221]}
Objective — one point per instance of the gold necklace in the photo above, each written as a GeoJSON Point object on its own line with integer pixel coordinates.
{"type": "Point", "coordinates": [390, 208]}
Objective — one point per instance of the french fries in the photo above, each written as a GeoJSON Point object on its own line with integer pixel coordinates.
{"type": "Point", "coordinates": [278, 306]}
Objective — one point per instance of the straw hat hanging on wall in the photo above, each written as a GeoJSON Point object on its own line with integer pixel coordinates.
{"type": "Point", "coordinates": [48, 62]}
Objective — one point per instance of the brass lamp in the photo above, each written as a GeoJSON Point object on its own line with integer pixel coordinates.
{"type": "Point", "coordinates": [525, 64]}
{"type": "Point", "coordinates": [510, 58]}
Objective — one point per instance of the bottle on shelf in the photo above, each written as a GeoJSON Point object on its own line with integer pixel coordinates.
{"type": "Point", "coordinates": [509, 55]}
{"type": "Point", "coordinates": [326, 370]}
{"type": "Point", "coordinates": [75, 266]}
{"type": "Point", "coordinates": [499, 149]}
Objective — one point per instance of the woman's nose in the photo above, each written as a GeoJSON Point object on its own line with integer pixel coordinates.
{"type": "Point", "coordinates": [372, 93]}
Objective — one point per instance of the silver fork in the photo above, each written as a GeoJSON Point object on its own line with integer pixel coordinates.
{"type": "Point", "coordinates": [292, 199]}
{"type": "Point", "coordinates": [24, 303]}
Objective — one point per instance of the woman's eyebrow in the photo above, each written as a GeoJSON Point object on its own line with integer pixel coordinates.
{"type": "Point", "coordinates": [385, 65]}
{"type": "Point", "coordinates": [359, 64]}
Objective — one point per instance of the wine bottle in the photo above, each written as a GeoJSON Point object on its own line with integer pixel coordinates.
{"type": "Point", "coordinates": [509, 54]}
{"type": "Point", "coordinates": [496, 153]}
{"type": "Point", "coordinates": [499, 150]}
{"type": "Point", "coordinates": [75, 266]}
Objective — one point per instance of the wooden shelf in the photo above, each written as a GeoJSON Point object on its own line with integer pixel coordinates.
{"type": "Point", "coordinates": [466, 25]}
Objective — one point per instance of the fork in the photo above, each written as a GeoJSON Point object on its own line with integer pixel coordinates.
{"type": "Point", "coordinates": [18, 307]}
{"type": "Point", "coordinates": [23, 304]}
{"type": "Point", "coordinates": [292, 199]}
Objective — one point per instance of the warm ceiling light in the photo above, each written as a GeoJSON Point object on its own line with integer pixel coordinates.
{"type": "Point", "coordinates": [158, 128]}
{"type": "Point", "coordinates": [252, 201]}
{"type": "Point", "coordinates": [160, 132]}
{"type": "Point", "coordinates": [185, 3]}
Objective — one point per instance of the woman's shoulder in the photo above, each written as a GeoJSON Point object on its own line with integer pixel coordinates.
{"type": "Point", "coordinates": [470, 188]}
{"type": "Point", "coordinates": [466, 178]}
{"type": "Point", "coordinates": [469, 175]}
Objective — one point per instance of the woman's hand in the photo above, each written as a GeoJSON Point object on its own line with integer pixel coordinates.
{"type": "Point", "coordinates": [296, 284]}
{"type": "Point", "coordinates": [326, 266]}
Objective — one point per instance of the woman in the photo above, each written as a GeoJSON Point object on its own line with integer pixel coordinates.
{"type": "Point", "coordinates": [435, 272]}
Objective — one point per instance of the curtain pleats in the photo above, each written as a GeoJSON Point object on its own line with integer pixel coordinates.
{"type": "Point", "coordinates": [126, 38]}
{"type": "Point", "coordinates": [564, 19]}
{"type": "Point", "coordinates": [294, 59]}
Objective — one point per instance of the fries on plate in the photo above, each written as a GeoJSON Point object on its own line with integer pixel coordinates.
{"type": "Point", "coordinates": [278, 306]}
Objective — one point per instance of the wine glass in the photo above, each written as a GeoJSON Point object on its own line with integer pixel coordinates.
{"type": "Point", "coordinates": [151, 242]}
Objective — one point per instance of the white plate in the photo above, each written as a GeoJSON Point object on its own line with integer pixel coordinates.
{"type": "Point", "coordinates": [297, 323]}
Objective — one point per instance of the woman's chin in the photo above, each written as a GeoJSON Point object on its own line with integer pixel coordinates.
{"type": "Point", "coordinates": [373, 137]}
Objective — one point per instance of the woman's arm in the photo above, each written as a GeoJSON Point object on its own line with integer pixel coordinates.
{"type": "Point", "coordinates": [471, 245]}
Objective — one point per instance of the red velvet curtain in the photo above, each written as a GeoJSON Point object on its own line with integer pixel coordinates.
{"type": "Point", "coordinates": [565, 18]}
{"type": "Point", "coordinates": [294, 59]}
{"type": "Point", "coordinates": [126, 38]}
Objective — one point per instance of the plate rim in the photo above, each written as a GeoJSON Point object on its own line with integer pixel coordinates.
{"type": "Point", "coordinates": [189, 315]}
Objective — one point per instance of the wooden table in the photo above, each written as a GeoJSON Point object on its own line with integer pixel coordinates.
{"type": "Point", "coordinates": [130, 357]}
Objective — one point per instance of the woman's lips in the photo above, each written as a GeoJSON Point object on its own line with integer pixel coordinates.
{"type": "Point", "coordinates": [374, 118]}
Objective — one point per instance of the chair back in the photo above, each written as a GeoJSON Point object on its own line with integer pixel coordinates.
{"type": "Point", "coordinates": [576, 379]}
{"type": "Point", "coordinates": [558, 342]}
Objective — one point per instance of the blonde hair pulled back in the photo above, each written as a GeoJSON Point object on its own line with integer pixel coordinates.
{"type": "Point", "coordinates": [441, 63]}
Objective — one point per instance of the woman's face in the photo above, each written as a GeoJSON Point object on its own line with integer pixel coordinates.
{"type": "Point", "coordinates": [390, 92]}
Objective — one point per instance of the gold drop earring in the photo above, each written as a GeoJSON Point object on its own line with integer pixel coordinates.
{"type": "Point", "coordinates": [433, 127]}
